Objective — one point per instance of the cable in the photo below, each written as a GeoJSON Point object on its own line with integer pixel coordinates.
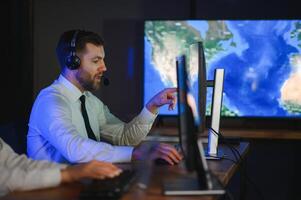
{"type": "Point", "coordinates": [234, 151]}
{"type": "Point", "coordinates": [244, 173]}
{"type": "Point", "coordinates": [229, 145]}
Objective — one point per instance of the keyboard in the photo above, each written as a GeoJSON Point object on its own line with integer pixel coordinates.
{"type": "Point", "coordinates": [111, 188]}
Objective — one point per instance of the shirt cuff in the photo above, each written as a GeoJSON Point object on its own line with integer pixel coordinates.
{"type": "Point", "coordinates": [147, 117]}
{"type": "Point", "coordinates": [50, 178]}
{"type": "Point", "coordinates": [122, 154]}
{"type": "Point", "coordinates": [62, 166]}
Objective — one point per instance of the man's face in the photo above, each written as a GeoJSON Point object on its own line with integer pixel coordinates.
{"type": "Point", "coordinates": [91, 68]}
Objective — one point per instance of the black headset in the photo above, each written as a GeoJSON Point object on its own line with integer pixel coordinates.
{"type": "Point", "coordinates": [72, 61]}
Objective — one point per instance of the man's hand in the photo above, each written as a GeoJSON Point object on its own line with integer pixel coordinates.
{"type": "Point", "coordinates": [166, 96]}
{"type": "Point", "coordinates": [93, 169]}
{"type": "Point", "coordinates": [162, 150]}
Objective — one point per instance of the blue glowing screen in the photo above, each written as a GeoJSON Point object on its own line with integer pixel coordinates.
{"type": "Point", "coordinates": [261, 58]}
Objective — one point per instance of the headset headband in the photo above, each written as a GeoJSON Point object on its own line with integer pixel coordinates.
{"type": "Point", "coordinates": [73, 41]}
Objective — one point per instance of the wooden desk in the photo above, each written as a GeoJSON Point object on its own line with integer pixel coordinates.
{"type": "Point", "coordinates": [241, 133]}
{"type": "Point", "coordinates": [223, 169]}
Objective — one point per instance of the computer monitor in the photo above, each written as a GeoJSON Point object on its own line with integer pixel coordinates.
{"type": "Point", "coordinates": [200, 181]}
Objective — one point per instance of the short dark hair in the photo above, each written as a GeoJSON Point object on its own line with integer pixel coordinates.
{"type": "Point", "coordinates": [63, 47]}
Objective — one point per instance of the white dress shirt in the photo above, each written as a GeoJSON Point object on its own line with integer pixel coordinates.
{"type": "Point", "coordinates": [17, 172]}
{"type": "Point", "coordinates": [57, 131]}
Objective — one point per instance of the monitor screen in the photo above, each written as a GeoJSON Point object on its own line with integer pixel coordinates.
{"type": "Point", "coordinates": [261, 59]}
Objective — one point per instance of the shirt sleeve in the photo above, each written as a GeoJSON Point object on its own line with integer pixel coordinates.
{"type": "Point", "coordinates": [14, 179]}
{"type": "Point", "coordinates": [132, 133]}
{"type": "Point", "coordinates": [57, 128]}
{"type": "Point", "coordinates": [20, 173]}
{"type": "Point", "coordinates": [11, 160]}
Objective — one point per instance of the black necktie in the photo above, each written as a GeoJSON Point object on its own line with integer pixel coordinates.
{"type": "Point", "coordinates": [86, 118]}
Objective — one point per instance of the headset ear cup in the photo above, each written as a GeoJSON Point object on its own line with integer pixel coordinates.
{"type": "Point", "coordinates": [76, 61]}
{"type": "Point", "coordinates": [72, 62]}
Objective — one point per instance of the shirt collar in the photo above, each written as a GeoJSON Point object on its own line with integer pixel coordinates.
{"type": "Point", "coordinates": [73, 92]}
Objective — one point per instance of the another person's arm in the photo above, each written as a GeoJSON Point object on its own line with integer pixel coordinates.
{"type": "Point", "coordinates": [20, 173]}
{"type": "Point", "coordinates": [93, 169]}
{"type": "Point", "coordinates": [19, 179]}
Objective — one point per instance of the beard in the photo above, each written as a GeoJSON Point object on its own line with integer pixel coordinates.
{"type": "Point", "coordinates": [86, 81]}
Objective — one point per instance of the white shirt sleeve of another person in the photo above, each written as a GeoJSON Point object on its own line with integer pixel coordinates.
{"type": "Point", "coordinates": [21, 173]}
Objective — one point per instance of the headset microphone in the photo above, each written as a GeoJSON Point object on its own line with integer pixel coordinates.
{"type": "Point", "coordinates": [106, 81]}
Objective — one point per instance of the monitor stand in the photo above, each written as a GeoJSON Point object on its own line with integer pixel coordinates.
{"type": "Point", "coordinates": [190, 186]}
{"type": "Point", "coordinates": [217, 101]}
{"type": "Point", "coordinates": [220, 155]}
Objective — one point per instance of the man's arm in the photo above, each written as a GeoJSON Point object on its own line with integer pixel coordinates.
{"type": "Point", "coordinates": [120, 133]}
{"type": "Point", "coordinates": [134, 132]}
{"type": "Point", "coordinates": [152, 151]}
{"type": "Point", "coordinates": [164, 97]}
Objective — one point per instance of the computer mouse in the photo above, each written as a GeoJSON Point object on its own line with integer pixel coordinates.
{"type": "Point", "coordinates": [161, 161]}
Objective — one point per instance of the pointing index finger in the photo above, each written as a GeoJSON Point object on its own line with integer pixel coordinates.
{"type": "Point", "coordinates": [171, 90]}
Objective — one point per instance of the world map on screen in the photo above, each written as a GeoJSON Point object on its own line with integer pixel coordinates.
{"type": "Point", "coordinates": [261, 58]}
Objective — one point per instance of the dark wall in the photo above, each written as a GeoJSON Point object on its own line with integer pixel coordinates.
{"type": "Point", "coordinates": [16, 56]}
{"type": "Point", "coordinates": [273, 168]}
{"type": "Point", "coordinates": [247, 9]}
{"type": "Point", "coordinates": [16, 71]}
